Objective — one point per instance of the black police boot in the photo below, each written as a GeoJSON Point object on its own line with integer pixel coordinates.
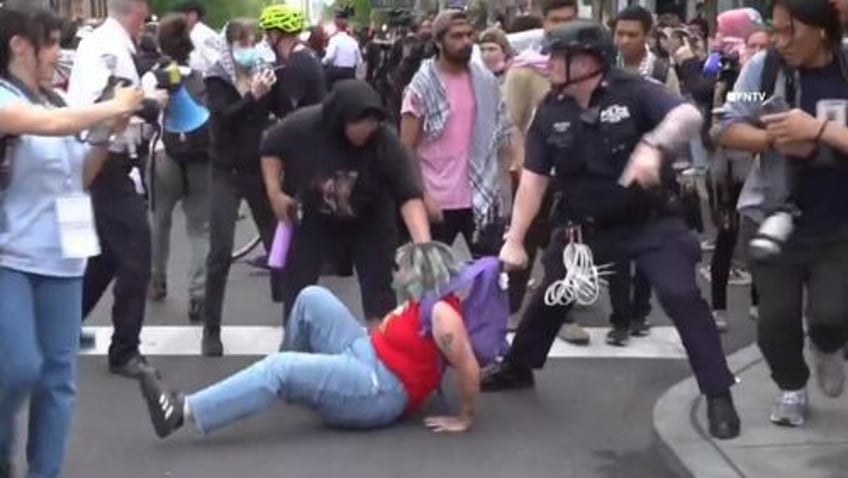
{"type": "Point", "coordinates": [722, 417]}
{"type": "Point", "coordinates": [505, 376]}
{"type": "Point", "coordinates": [165, 408]}
{"type": "Point", "coordinates": [211, 345]}
{"type": "Point", "coordinates": [618, 336]}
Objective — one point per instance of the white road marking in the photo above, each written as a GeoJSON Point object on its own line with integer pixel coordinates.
{"type": "Point", "coordinates": [662, 343]}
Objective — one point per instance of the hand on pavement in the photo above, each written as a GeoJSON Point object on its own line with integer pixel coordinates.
{"type": "Point", "coordinates": [448, 424]}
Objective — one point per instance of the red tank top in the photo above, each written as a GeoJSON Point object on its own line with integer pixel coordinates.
{"type": "Point", "coordinates": [412, 356]}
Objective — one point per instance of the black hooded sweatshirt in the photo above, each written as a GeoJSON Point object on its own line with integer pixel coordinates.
{"type": "Point", "coordinates": [331, 177]}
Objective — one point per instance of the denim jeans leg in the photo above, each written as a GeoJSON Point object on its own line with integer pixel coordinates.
{"type": "Point", "coordinates": [58, 306]}
{"type": "Point", "coordinates": [318, 381]}
{"type": "Point", "coordinates": [21, 363]}
{"type": "Point", "coordinates": [321, 323]}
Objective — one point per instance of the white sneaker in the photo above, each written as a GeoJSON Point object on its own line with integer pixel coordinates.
{"type": "Point", "coordinates": [790, 408]}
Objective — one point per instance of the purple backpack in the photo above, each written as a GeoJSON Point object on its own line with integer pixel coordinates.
{"type": "Point", "coordinates": [485, 308]}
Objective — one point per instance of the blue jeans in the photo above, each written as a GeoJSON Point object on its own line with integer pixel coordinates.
{"type": "Point", "coordinates": [329, 365]}
{"type": "Point", "coordinates": [39, 341]}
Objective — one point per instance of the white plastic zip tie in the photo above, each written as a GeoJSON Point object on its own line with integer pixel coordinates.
{"type": "Point", "coordinates": [583, 279]}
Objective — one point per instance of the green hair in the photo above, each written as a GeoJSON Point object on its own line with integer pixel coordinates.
{"type": "Point", "coordinates": [423, 268]}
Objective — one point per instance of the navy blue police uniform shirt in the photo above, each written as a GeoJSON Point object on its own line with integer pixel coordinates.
{"type": "Point", "coordinates": [588, 149]}
{"type": "Point", "coordinates": [823, 183]}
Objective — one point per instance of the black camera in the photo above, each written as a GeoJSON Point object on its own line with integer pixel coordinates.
{"type": "Point", "coordinates": [149, 112]}
{"type": "Point", "coordinates": [730, 68]}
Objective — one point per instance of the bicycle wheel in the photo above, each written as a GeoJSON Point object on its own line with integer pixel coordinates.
{"type": "Point", "coordinates": [246, 236]}
{"type": "Point", "coordinates": [244, 250]}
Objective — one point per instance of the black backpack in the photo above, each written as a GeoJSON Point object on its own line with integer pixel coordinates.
{"type": "Point", "coordinates": [193, 146]}
{"type": "Point", "coordinates": [660, 71]}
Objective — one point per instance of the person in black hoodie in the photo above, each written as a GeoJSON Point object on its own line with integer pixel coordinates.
{"type": "Point", "coordinates": [239, 100]}
{"type": "Point", "coordinates": [347, 172]}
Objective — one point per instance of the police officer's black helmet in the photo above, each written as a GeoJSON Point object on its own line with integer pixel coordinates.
{"type": "Point", "coordinates": [584, 36]}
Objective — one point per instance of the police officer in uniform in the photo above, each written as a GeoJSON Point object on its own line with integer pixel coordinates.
{"type": "Point", "coordinates": [609, 137]}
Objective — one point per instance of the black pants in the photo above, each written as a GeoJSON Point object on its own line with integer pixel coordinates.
{"type": "Point", "coordinates": [720, 265]}
{"type": "Point", "coordinates": [368, 243]}
{"type": "Point", "coordinates": [336, 74]}
{"type": "Point", "coordinates": [630, 295]}
{"type": "Point", "coordinates": [723, 200]}
{"type": "Point", "coordinates": [535, 239]}
{"type": "Point", "coordinates": [667, 252]}
{"type": "Point", "coordinates": [227, 190]}
{"type": "Point", "coordinates": [120, 218]}
{"type": "Point", "coordinates": [820, 267]}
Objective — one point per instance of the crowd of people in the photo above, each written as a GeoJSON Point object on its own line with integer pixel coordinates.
{"type": "Point", "coordinates": [378, 151]}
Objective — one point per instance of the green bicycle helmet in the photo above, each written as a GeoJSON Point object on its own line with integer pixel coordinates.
{"type": "Point", "coordinates": [285, 18]}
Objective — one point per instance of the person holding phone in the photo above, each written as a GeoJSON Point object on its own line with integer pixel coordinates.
{"type": "Point", "coordinates": [803, 162]}
{"type": "Point", "coordinates": [238, 97]}
{"type": "Point", "coordinates": [46, 234]}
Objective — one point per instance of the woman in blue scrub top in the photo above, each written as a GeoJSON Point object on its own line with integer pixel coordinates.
{"type": "Point", "coordinates": [46, 234]}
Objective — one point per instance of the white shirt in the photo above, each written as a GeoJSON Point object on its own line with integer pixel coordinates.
{"type": "Point", "coordinates": [206, 52]}
{"type": "Point", "coordinates": [343, 51]}
{"type": "Point", "coordinates": [107, 51]}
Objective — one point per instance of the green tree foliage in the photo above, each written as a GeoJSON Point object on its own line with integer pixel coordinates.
{"type": "Point", "coordinates": [361, 9]}
{"type": "Point", "coordinates": [218, 12]}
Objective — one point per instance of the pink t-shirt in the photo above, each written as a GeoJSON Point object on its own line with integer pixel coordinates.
{"type": "Point", "coordinates": [445, 160]}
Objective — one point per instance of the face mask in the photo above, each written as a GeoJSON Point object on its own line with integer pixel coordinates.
{"type": "Point", "coordinates": [246, 58]}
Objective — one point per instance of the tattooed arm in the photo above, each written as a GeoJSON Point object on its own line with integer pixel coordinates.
{"type": "Point", "coordinates": [452, 340]}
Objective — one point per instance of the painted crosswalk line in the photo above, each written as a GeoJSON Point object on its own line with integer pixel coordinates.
{"type": "Point", "coordinates": [662, 343]}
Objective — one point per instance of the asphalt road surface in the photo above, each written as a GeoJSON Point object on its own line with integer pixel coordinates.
{"type": "Point", "coordinates": [589, 415]}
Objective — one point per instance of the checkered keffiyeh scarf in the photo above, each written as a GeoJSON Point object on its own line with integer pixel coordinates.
{"type": "Point", "coordinates": [491, 131]}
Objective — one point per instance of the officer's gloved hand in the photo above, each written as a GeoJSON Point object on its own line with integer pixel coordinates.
{"type": "Point", "coordinates": [513, 255]}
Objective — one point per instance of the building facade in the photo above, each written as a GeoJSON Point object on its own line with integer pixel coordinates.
{"type": "Point", "coordinates": [79, 8]}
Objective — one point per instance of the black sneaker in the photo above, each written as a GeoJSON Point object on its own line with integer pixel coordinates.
{"type": "Point", "coordinates": [165, 408]}
{"type": "Point", "coordinates": [618, 337]}
{"type": "Point", "coordinates": [133, 368]}
{"type": "Point", "coordinates": [211, 345]}
{"type": "Point", "coordinates": [506, 377]}
{"type": "Point", "coordinates": [195, 311]}
{"type": "Point", "coordinates": [87, 341]}
{"type": "Point", "coordinates": [640, 327]}
{"type": "Point", "coordinates": [722, 417]}
{"type": "Point", "coordinates": [6, 471]}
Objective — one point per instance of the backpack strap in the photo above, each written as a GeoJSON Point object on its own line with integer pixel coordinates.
{"type": "Point", "coordinates": [773, 65]}
{"type": "Point", "coordinates": [660, 71]}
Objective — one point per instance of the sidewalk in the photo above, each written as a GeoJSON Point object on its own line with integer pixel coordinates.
{"type": "Point", "coordinates": [820, 449]}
